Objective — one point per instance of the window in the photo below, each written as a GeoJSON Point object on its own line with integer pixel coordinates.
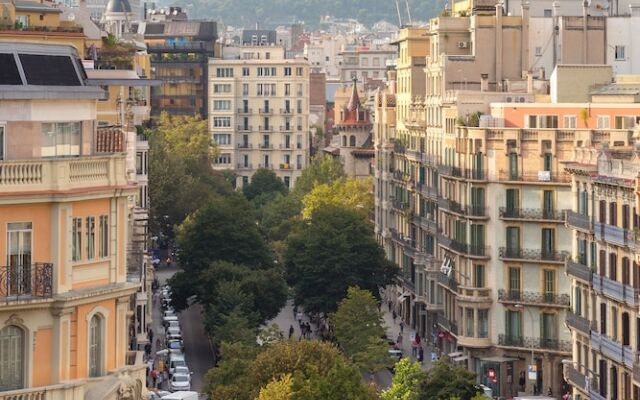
{"type": "Point", "coordinates": [91, 237]}
{"type": "Point", "coordinates": [538, 51]}
{"type": "Point", "coordinates": [375, 61]}
{"type": "Point", "coordinates": [222, 88]}
{"type": "Point", "coordinates": [61, 139]}
{"type": "Point", "coordinates": [547, 161]}
{"type": "Point", "coordinates": [547, 13]}
{"type": "Point", "coordinates": [224, 158]}
{"type": "Point", "coordinates": [541, 121]}
{"type": "Point", "coordinates": [76, 239]}
{"type": "Point", "coordinates": [2, 145]}
{"type": "Point", "coordinates": [514, 283]}
{"type": "Point", "coordinates": [222, 138]}
{"type": "Point", "coordinates": [287, 181]}
{"type": "Point", "coordinates": [222, 105]}
{"type": "Point", "coordinates": [299, 71]}
{"type": "Point", "coordinates": [624, 122]}
{"type": "Point", "coordinates": [548, 329]}
{"type": "Point", "coordinates": [95, 346]}
{"type": "Point", "coordinates": [12, 346]}
{"type": "Point", "coordinates": [245, 71]}
{"type": "Point", "coordinates": [483, 323]}
{"type": "Point", "coordinates": [287, 89]}
{"type": "Point", "coordinates": [364, 62]}
{"type": "Point", "coordinates": [549, 283]}
{"type": "Point", "coordinates": [245, 89]}
{"type": "Point", "coordinates": [513, 241]}
{"type": "Point", "coordinates": [104, 237]}
{"type": "Point", "coordinates": [513, 328]}
{"type": "Point", "coordinates": [619, 53]}
{"type": "Point", "coordinates": [352, 141]}
{"type": "Point", "coordinates": [569, 121]}
{"type": "Point", "coordinates": [469, 322]}
{"type": "Point", "coordinates": [22, 20]}
{"type": "Point", "coordinates": [603, 318]}
{"type": "Point", "coordinates": [603, 122]}
{"type": "Point", "coordinates": [513, 166]}
{"type": "Point", "coordinates": [478, 275]}
{"type": "Point", "coordinates": [287, 71]}
{"type": "Point", "coordinates": [224, 72]}
{"type": "Point", "coordinates": [222, 122]}
{"type": "Point", "coordinates": [548, 243]}
{"type": "Point", "coordinates": [513, 200]}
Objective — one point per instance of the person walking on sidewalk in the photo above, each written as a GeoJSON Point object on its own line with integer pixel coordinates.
{"type": "Point", "coordinates": [394, 315]}
{"type": "Point", "coordinates": [291, 330]}
{"type": "Point", "coordinates": [401, 326]}
{"type": "Point", "coordinates": [414, 348]}
{"type": "Point", "coordinates": [399, 340]}
{"type": "Point", "coordinates": [420, 354]}
{"type": "Point", "coordinates": [154, 377]}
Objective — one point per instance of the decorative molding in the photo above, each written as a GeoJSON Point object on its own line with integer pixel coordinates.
{"type": "Point", "coordinates": [14, 319]}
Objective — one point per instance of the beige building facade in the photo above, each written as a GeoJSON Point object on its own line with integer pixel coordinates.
{"type": "Point", "coordinates": [259, 113]}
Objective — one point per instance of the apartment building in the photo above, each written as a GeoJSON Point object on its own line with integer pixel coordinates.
{"type": "Point", "coordinates": [259, 113]}
{"type": "Point", "coordinates": [65, 208]}
{"type": "Point", "coordinates": [364, 62]}
{"type": "Point", "coordinates": [180, 50]}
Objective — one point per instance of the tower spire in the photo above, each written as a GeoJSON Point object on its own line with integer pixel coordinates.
{"type": "Point", "coordinates": [354, 101]}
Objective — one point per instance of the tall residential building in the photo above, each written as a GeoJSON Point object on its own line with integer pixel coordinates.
{"type": "Point", "coordinates": [259, 113]}
{"type": "Point", "coordinates": [365, 63]}
{"type": "Point", "coordinates": [65, 209]}
{"type": "Point", "coordinates": [180, 50]}
{"type": "Point", "coordinates": [470, 193]}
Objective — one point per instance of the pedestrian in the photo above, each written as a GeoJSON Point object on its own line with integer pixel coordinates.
{"type": "Point", "coordinates": [168, 262]}
{"type": "Point", "coordinates": [394, 315]}
{"type": "Point", "coordinates": [158, 344]}
{"type": "Point", "coordinates": [418, 338]}
{"type": "Point", "coordinates": [154, 377]}
{"type": "Point", "coordinates": [379, 306]}
{"type": "Point", "coordinates": [161, 366]}
{"type": "Point", "coordinates": [420, 354]}
{"type": "Point", "coordinates": [147, 349]}
{"type": "Point", "coordinates": [414, 348]}
{"type": "Point", "coordinates": [150, 335]}
{"type": "Point", "coordinates": [401, 326]}
{"type": "Point", "coordinates": [522, 381]}
{"type": "Point", "coordinates": [160, 379]}
{"type": "Point", "coordinates": [299, 318]}
{"type": "Point", "coordinates": [389, 304]}
{"type": "Point", "coordinates": [291, 330]}
{"type": "Point", "coordinates": [399, 340]}
{"type": "Point", "coordinates": [308, 330]}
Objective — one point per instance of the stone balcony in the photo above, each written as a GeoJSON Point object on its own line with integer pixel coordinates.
{"type": "Point", "coordinates": [533, 255]}
{"type": "Point", "coordinates": [578, 323]}
{"type": "Point", "coordinates": [614, 235]}
{"type": "Point", "coordinates": [446, 324]}
{"type": "Point", "coordinates": [63, 391]}
{"type": "Point", "coordinates": [578, 221]}
{"type": "Point", "coordinates": [533, 298]}
{"type": "Point", "coordinates": [62, 174]}
{"type": "Point", "coordinates": [578, 270]}
{"type": "Point", "coordinates": [612, 349]}
{"type": "Point", "coordinates": [616, 290]}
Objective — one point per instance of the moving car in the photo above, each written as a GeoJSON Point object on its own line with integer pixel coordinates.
{"type": "Point", "coordinates": [180, 382]}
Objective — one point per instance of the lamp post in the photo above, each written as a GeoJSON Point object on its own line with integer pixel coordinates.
{"type": "Point", "coordinates": [531, 317]}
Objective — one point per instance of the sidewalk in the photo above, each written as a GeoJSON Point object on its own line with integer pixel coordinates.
{"type": "Point", "coordinates": [393, 329]}
{"type": "Point", "coordinates": [286, 318]}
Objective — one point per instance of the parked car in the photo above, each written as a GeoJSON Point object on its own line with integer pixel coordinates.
{"type": "Point", "coordinates": [184, 370]}
{"type": "Point", "coordinates": [166, 320]}
{"type": "Point", "coordinates": [176, 360]}
{"type": "Point", "coordinates": [179, 382]}
{"type": "Point", "coordinates": [182, 395]}
{"type": "Point", "coordinates": [175, 345]}
{"type": "Point", "coordinates": [157, 394]}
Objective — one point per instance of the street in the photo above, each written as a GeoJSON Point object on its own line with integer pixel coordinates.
{"type": "Point", "coordinates": [198, 351]}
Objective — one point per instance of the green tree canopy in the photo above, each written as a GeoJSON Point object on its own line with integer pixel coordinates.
{"type": "Point", "coordinates": [223, 229]}
{"type": "Point", "coordinates": [355, 194]}
{"type": "Point", "coordinates": [330, 253]}
{"type": "Point", "coordinates": [321, 170]}
{"type": "Point", "coordinates": [264, 182]}
{"type": "Point", "coordinates": [445, 381]}
{"type": "Point", "coordinates": [405, 383]}
{"type": "Point", "coordinates": [358, 328]}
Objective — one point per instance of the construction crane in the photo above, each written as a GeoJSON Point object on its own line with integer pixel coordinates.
{"type": "Point", "coordinates": [406, 2]}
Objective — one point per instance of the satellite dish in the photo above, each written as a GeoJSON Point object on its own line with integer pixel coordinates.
{"type": "Point", "coordinates": [71, 17]}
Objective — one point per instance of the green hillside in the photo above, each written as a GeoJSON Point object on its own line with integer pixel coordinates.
{"type": "Point", "coordinates": [270, 13]}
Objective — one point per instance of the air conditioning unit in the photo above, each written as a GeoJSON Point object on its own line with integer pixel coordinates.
{"type": "Point", "coordinates": [463, 45]}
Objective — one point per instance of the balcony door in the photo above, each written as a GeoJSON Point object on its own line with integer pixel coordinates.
{"type": "Point", "coordinates": [547, 204]}
{"type": "Point", "coordinates": [513, 327]}
{"type": "Point", "coordinates": [18, 278]}
{"type": "Point", "coordinates": [513, 241]}
{"type": "Point", "coordinates": [12, 346]}
{"type": "Point", "coordinates": [548, 330]}
{"type": "Point", "coordinates": [2, 142]}
{"type": "Point", "coordinates": [513, 201]}
{"type": "Point", "coordinates": [548, 243]}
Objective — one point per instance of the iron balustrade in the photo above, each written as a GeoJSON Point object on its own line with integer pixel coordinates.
{"type": "Point", "coordinates": [535, 343]}
{"type": "Point", "coordinates": [24, 281]}
{"type": "Point", "coordinates": [444, 322]}
{"type": "Point", "coordinates": [533, 254]}
{"type": "Point", "coordinates": [616, 290]}
{"type": "Point", "coordinates": [578, 220]}
{"type": "Point", "coordinates": [579, 323]}
{"type": "Point", "coordinates": [526, 297]}
{"type": "Point", "coordinates": [579, 270]}
{"type": "Point", "coordinates": [532, 214]}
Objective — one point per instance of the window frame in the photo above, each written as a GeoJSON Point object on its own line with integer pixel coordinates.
{"type": "Point", "coordinates": [76, 239]}
{"type": "Point", "coordinates": [103, 229]}
{"type": "Point", "coordinates": [3, 141]}
{"type": "Point", "coordinates": [91, 237]}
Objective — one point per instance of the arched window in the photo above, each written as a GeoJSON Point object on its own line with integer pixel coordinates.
{"type": "Point", "coordinates": [352, 141]}
{"type": "Point", "coordinates": [344, 141]}
{"type": "Point", "coordinates": [95, 345]}
{"type": "Point", "coordinates": [11, 358]}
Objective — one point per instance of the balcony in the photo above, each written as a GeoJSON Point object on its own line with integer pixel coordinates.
{"type": "Point", "coordinates": [540, 177]}
{"type": "Point", "coordinates": [299, 127]}
{"type": "Point", "coordinates": [286, 111]}
{"type": "Point", "coordinates": [533, 298]}
{"type": "Point", "coordinates": [70, 390]}
{"type": "Point", "coordinates": [286, 166]}
{"type": "Point", "coordinates": [245, 146]}
{"type": "Point", "coordinates": [28, 282]}
{"type": "Point", "coordinates": [264, 128]}
{"type": "Point", "coordinates": [578, 221]}
{"type": "Point", "coordinates": [532, 214]}
{"type": "Point", "coordinates": [265, 111]}
{"type": "Point", "coordinates": [399, 205]}
{"type": "Point", "coordinates": [528, 343]}
{"type": "Point", "coordinates": [245, 166]}
{"type": "Point", "coordinates": [286, 128]}
{"type": "Point", "coordinates": [474, 295]}
{"type": "Point", "coordinates": [266, 146]}
{"type": "Point", "coordinates": [613, 234]}
{"type": "Point", "coordinates": [247, 128]}
{"type": "Point", "coordinates": [265, 166]}
{"type": "Point", "coordinates": [533, 255]}
{"type": "Point", "coordinates": [578, 270]}
{"type": "Point", "coordinates": [425, 223]}
{"type": "Point", "coordinates": [182, 47]}
{"type": "Point", "coordinates": [58, 174]}
{"type": "Point", "coordinates": [448, 282]}
{"type": "Point", "coordinates": [402, 239]}
{"type": "Point", "coordinates": [612, 349]}
{"type": "Point", "coordinates": [245, 111]}
{"type": "Point", "coordinates": [576, 378]}
{"type": "Point", "coordinates": [578, 323]}
{"type": "Point", "coordinates": [428, 191]}
{"type": "Point", "coordinates": [444, 322]}
{"type": "Point", "coordinates": [286, 146]}
{"type": "Point", "coordinates": [615, 290]}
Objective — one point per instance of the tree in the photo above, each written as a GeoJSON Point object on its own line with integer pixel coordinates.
{"type": "Point", "coordinates": [445, 381]}
{"type": "Point", "coordinates": [264, 182]}
{"type": "Point", "coordinates": [348, 193]}
{"type": "Point", "coordinates": [230, 379]}
{"type": "Point", "coordinates": [333, 251]}
{"type": "Point", "coordinates": [223, 229]}
{"type": "Point", "coordinates": [235, 327]}
{"type": "Point", "coordinates": [279, 389]}
{"type": "Point", "coordinates": [358, 328]}
{"type": "Point", "coordinates": [321, 170]}
{"type": "Point", "coordinates": [405, 384]}
{"type": "Point", "coordinates": [343, 381]}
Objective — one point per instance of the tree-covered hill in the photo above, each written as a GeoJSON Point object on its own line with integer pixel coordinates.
{"type": "Point", "coordinates": [271, 13]}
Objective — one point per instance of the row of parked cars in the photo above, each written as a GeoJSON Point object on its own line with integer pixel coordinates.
{"type": "Point", "coordinates": [175, 362]}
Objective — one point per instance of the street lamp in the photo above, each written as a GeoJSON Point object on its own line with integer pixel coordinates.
{"type": "Point", "coordinates": [528, 310]}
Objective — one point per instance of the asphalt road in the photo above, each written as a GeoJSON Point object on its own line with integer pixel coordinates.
{"type": "Point", "coordinates": [198, 351]}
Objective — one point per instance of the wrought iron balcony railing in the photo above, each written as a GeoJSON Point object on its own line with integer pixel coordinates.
{"type": "Point", "coordinates": [579, 323]}
{"type": "Point", "coordinates": [616, 290]}
{"type": "Point", "coordinates": [26, 281]}
{"type": "Point", "coordinates": [579, 221]}
{"type": "Point", "coordinates": [522, 297]}
{"type": "Point", "coordinates": [539, 214]}
{"type": "Point", "coordinates": [444, 322]}
{"type": "Point", "coordinates": [533, 254]}
{"type": "Point", "coordinates": [578, 269]}
{"type": "Point", "coordinates": [534, 343]}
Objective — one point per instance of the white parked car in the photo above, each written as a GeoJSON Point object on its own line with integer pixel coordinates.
{"type": "Point", "coordinates": [176, 360]}
{"type": "Point", "coordinates": [180, 382]}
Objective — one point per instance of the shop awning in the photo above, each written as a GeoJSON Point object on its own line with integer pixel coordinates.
{"type": "Point", "coordinates": [461, 358]}
{"type": "Point", "coordinates": [455, 354]}
{"type": "Point", "coordinates": [499, 359]}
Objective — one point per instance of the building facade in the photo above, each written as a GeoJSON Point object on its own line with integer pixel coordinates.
{"type": "Point", "coordinates": [259, 113]}
{"type": "Point", "coordinates": [65, 208]}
